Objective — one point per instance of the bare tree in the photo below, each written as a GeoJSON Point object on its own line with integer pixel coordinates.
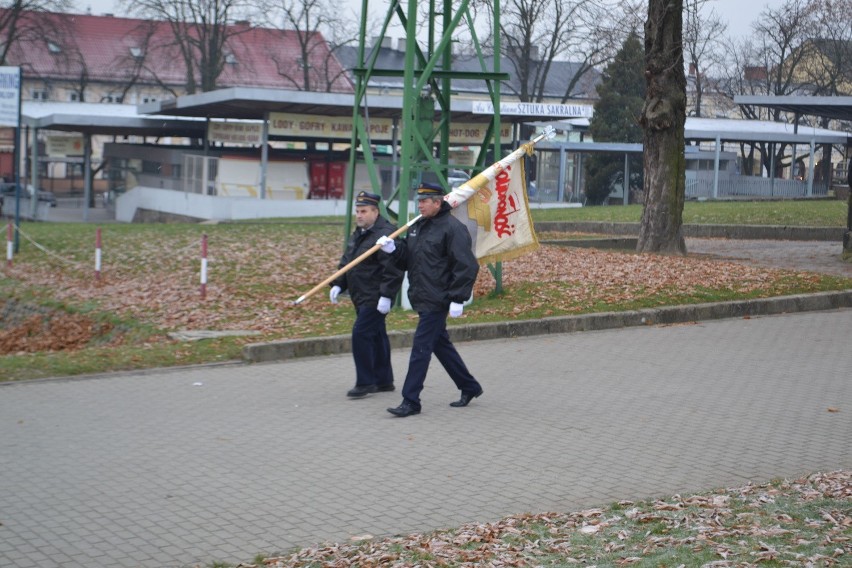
{"type": "Point", "coordinates": [133, 67]}
{"type": "Point", "coordinates": [598, 39]}
{"type": "Point", "coordinates": [536, 33]}
{"type": "Point", "coordinates": [201, 30]}
{"type": "Point", "coordinates": [76, 64]}
{"type": "Point", "coordinates": [311, 21]}
{"type": "Point", "coordinates": [17, 27]}
{"type": "Point", "coordinates": [702, 36]}
{"type": "Point", "coordinates": [662, 120]}
{"type": "Point", "coordinates": [829, 68]}
{"type": "Point", "coordinates": [829, 48]}
{"type": "Point", "coordinates": [771, 62]}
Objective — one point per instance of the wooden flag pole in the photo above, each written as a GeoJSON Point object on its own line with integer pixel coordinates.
{"type": "Point", "coordinates": [353, 263]}
{"type": "Point", "coordinates": [454, 198]}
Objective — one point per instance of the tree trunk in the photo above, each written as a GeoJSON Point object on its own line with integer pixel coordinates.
{"type": "Point", "coordinates": [662, 120]}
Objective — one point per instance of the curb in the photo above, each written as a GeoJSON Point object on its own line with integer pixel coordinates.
{"type": "Point", "coordinates": [308, 347]}
{"type": "Point", "coordinates": [759, 232]}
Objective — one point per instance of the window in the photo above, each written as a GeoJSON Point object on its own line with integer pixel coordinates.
{"type": "Point", "coordinates": [230, 58]}
{"type": "Point", "coordinates": [38, 94]}
{"type": "Point", "coordinates": [136, 52]}
{"type": "Point", "coordinates": [74, 97]}
{"type": "Point", "coordinates": [112, 99]}
{"type": "Point", "coordinates": [53, 47]}
{"type": "Point", "coordinates": [149, 99]}
{"type": "Point", "coordinates": [149, 167]}
{"type": "Point", "coordinates": [74, 171]}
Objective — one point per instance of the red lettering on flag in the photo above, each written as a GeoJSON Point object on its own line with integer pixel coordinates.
{"type": "Point", "coordinates": [506, 205]}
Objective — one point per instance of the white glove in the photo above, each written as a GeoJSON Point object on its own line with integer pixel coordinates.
{"type": "Point", "coordinates": [384, 305]}
{"type": "Point", "coordinates": [335, 292]}
{"type": "Point", "coordinates": [456, 309]}
{"type": "Point", "coordinates": [387, 244]}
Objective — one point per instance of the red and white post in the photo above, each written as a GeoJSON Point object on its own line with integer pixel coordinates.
{"type": "Point", "coordinates": [98, 254]}
{"type": "Point", "coordinates": [203, 266]}
{"type": "Point", "coordinates": [10, 246]}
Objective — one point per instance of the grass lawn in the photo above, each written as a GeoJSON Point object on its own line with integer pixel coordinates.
{"type": "Point", "coordinates": [58, 320]}
{"type": "Point", "coordinates": [822, 213]}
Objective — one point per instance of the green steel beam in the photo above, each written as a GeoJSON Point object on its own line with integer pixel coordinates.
{"type": "Point", "coordinates": [438, 74]}
{"type": "Point", "coordinates": [425, 120]}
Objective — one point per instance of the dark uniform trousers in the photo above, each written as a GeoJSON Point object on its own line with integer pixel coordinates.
{"type": "Point", "coordinates": [371, 348]}
{"type": "Point", "coordinates": [431, 337]}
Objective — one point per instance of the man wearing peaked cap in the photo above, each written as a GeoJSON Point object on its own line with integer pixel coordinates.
{"type": "Point", "coordinates": [371, 285]}
{"type": "Point", "coordinates": [364, 198]}
{"type": "Point", "coordinates": [429, 190]}
{"type": "Point", "coordinates": [442, 269]}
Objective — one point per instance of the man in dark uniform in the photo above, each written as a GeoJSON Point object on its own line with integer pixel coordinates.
{"type": "Point", "coordinates": [441, 272]}
{"type": "Point", "coordinates": [371, 285]}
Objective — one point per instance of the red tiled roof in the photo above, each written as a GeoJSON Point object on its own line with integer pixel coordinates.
{"type": "Point", "coordinates": [101, 45]}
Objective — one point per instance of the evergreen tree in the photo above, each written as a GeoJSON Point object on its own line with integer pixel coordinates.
{"type": "Point", "coordinates": [616, 119]}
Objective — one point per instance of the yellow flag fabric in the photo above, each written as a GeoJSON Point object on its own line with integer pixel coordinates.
{"type": "Point", "coordinates": [497, 214]}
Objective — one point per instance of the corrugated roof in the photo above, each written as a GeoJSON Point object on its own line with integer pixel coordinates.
{"type": "Point", "coordinates": [110, 119]}
{"type": "Point", "coordinates": [559, 74]}
{"type": "Point", "coordinates": [758, 131]}
{"type": "Point", "coordinates": [837, 108]}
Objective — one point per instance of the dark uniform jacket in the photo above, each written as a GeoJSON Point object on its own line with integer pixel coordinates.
{"type": "Point", "coordinates": [376, 275]}
{"type": "Point", "coordinates": [438, 255]}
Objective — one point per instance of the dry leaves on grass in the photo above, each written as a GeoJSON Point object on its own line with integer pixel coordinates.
{"type": "Point", "coordinates": [59, 332]}
{"type": "Point", "coordinates": [730, 525]}
{"type": "Point", "coordinates": [252, 285]}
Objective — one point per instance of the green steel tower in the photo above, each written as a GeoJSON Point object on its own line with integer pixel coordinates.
{"type": "Point", "coordinates": [422, 133]}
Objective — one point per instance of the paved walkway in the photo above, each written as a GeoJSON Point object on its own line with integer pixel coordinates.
{"type": "Point", "coordinates": [812, 256]}
{"type": "Point", "coordinates": [184, 466]}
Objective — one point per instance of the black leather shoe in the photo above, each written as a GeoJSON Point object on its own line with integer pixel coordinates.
{"type": "Point", "coordinates": [403, 410]}
{"type": "Point", "coordinates": [466, 398]}
{"type": "Point", "coordinates": [361, 391]}
{"type": "Point", "coordinates": [385, 388]}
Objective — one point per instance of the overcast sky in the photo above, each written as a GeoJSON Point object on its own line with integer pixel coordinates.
{"type": "Point", "coordinates": [739, 14]}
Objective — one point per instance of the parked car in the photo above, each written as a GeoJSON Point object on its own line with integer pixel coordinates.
{"type": "Point", "coordinates": [7, 189]}
{"type": "Point", "coordinates": [457, 177]}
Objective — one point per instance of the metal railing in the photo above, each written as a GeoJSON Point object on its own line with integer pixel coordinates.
{"type": "Point", "coordinates": [756, 187]}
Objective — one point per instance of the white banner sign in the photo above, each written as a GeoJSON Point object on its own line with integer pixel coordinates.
{"type": "Point", "coordinates": [316, 126]}
{"type": "Point", "coordinates": [10, 96]}
{"type": "Point", "coordinates": [64, 146]}
{"type": "Point", "coordinates": [235, 132]}
{"type": "Point", "coordinates": [335, 127]}
{"type": "Point", "coordinates": [473, 132]}
{"type": "Point", "coordinates": [546, 110]}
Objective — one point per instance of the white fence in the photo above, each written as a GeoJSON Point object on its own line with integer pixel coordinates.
{"type": "Point", "coordinates": [752, 186]}
{"type": "Point", "coordinates": [187, 204]}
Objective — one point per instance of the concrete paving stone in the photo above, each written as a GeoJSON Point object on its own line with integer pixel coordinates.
{"type": "Point", "coordinates": [619, 421]}
{"type": "Point", "coordinates": [127, 562]}
{"type": "Point", "coordinates": [171, 550]}
{"type": "Point", "coordinates": [38, 557]}
{"type": "Point", "coordinates": [139, 555]}
{"type": "Point", "coordinates": [26, 549]}
{"type": "Point", "coordinates": [59, 559]}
